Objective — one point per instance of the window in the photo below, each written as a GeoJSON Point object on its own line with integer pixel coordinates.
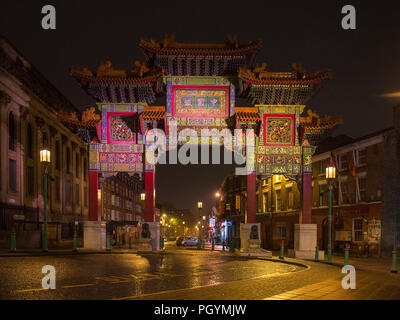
{"type": "Point", "coordinates": [12, 175]}
{"type": "Point", "coordinates": [277, 178]}
{"type": "Point", "coordinates": [29, 141]}
{"type": "Point", "coordinates": [30, 181]}
{"type": "Point", "coordinates": [344, 191]}
{"type": "Point", "coordinates": [323, 164]}
{"type": "Point", "coordinates": [68, 160]}
{"type": "Point", "coordinates": [58, 162]}
{"type": "Point", "coordinates": [11, 132]}
{"type": "Point", "coordinates": [265, 202]}
{"type": "Point", "coordinates": [77, 194]}
{"type": "Point", "coordinates": [77, 165]}
{"type": "Point", "coordinates": [45, 142]}
{"type": "Point", "coordinates": [85, 196]}
{"type": "Point", "coordinates": [278, 200]}
{"type": "Point", "coordinates": [361, 157]}
{"type": "Point", "coordinates": [358, 229]}
{"type": "Point", "coordinates": [57, 186]}
{"type": "Point", "coordinates": [290, 198]}
{"type": "Point", "coordinates": [323, 195]}
{"type": "Point", "coordinates": [344, 162]}
{"type": "Point", "coordinates": [85, 169]}
{"type": "Point", "coordinates": [68, 191]}
{"type": "Point", "coordinates": [280, 231]}
{"type": "Point", "coordinates": [362, 188]}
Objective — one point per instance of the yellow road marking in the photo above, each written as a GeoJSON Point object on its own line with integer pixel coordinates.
{"type": "Point", "coordinates": [79, 285]}
{"type": "Point", "coordinates": [27, 290]}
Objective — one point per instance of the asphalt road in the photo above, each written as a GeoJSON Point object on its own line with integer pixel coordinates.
{"type": "Point", "coordinates": [179, 273]}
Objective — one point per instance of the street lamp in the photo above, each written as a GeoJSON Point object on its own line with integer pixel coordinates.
{"type": "Point", "coordinates": [330, 176]}
{"type": "Point", "coordinates": [45, 159]}
{"type": "Point", "coordinates": [142, 196]}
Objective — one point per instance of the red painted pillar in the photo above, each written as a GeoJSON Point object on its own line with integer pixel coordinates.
{"type": "Point", "coordinates": [307, 198]}
{"type": "Point", "coordinates": [149, 205]}
{"type": "Point", "coordinates": [251, 198]}
{"type": "Point", "coordinates": [93, 196]}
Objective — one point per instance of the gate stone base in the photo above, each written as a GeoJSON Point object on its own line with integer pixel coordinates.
{"type": "Point", "coordinates": [94, 235]}
{"type": "Point", "coordinates": [305, 241]}
{"type": "Point", "coordinates": [251, 247]}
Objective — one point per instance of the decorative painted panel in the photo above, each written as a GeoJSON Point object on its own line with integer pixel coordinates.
{"type": "Point", "coordinates": [192, 101]}
{"type": "Point", "coordinates": [278, 129]}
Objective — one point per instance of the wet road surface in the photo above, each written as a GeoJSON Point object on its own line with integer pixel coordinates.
{"type": "Point", "coordinates": [120, 276]}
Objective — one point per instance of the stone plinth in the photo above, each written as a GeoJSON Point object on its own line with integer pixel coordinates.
{"type": "Point", "coordinates": [251, 247]}
{"type": "Point", "coordinates": [143, 244]}
{"type": "Point", "coordinates": [305, 241]}
{"type": "Point", "coordinates": [154, 228]}
{"type": "Point", "coordinates": [254, 245]}
{"type": "Point", "coordinates": [94, 235]}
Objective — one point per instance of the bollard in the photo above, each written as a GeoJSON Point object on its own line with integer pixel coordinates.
{"type": "Point", "coordinates": [346, 255]}
{"type": "Point", "coordinates": [199, 244]}
{"type": "Point", "coordinates": [212, 245]}
{"type": "Point", "coordinates": [232, 247]}
{"type": "Point", "coordinates": [13, 242]}
{"type": "Point", "coordinates": [281, 256]}
{"type": "Point", "coordinates": [203, 244]}
{"type": "Point", "coordinates": [120, 242]}
{"type": "Point", "coordinates": [316, 254]}
{"type": "Point", "coordinates": [75, 243]}
{"type": "Point", "coordinates": [394, 260]}
{"type": "Point", "coordinates": [130, 242]}
{"type": "Point", "coordinates": [223, 245]}
{"type": "Point", "coordinates": [108, 243]}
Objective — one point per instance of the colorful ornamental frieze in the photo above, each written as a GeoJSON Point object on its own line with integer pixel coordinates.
{"type": "Point", "coordinates": [202, 85]}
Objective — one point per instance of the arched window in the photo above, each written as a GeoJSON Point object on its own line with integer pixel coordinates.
{"type": "Point", "coordinates": [58, 165]}
{"type": "Point", "coordinates": [29, 141]}
{"type": "Point", "coordinates": [44, 140]}
{"type": "Point", "coordinates": [11, 131]}
{"type": "Point", "coordinates": [68, 160]}
{"type": "Point", "coordinates": [84, 169]}
{"type": "Point", "coordinates": [77, 165]}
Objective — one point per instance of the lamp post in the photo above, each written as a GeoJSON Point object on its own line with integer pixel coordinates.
{"type": "Point", "coordinates": [200, 206]}
{"type": "Point", "coordinates": [45, 159]}
{"type": "Point", "coordinates": [213, 231]}
{"type": "Point", "coordinates": [330, 176]}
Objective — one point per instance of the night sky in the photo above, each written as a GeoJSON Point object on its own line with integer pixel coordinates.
{"type": "Point", "coordinates": [365, 62]}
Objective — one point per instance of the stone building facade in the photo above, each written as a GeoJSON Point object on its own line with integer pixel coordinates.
{"type": "Point", "coordinates": [29, 105]}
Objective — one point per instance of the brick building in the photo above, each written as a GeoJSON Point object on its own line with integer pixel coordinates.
{"type": "Point", "coordinates": [121, 206]}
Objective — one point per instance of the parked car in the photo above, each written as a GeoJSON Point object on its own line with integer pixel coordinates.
{"type": "Point", "coordinates": [179, 241]}
{"type": "Point", "coordinates": [188, 241]}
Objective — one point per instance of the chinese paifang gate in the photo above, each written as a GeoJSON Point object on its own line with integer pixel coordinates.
{"type": "Point", "coordinates": [200, 84]}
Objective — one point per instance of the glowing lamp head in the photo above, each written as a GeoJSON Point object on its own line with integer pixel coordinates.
{"type": "Point", "coordinates": [142, 196]}
{"type": "Point", "coordinates": [217, 194]}
{"type": "Point", "coordinates": [204, 217]}
{"type": "Point", "coordinates": [199, 204]}
{"type": "Point", "coordinates": [45, 156]}
{"type": "Point", "coordinates": [330, 171]}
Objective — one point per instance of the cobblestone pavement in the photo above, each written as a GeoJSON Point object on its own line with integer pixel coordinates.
{"type": "Point", "coordinates": [187, 273]}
